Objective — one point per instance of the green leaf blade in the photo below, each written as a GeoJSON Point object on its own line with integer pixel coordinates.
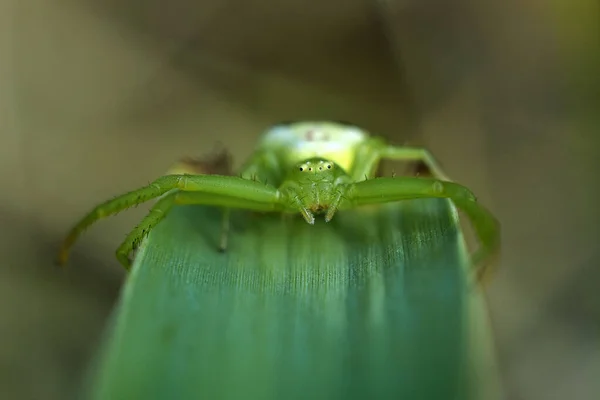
{"type": "Point", "coordinates": [370, 305]}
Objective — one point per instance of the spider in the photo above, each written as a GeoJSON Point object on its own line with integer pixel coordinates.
{"type": "Point", "coordinates": [308, 167]}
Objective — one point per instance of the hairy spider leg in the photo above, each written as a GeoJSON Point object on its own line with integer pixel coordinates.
{"type": "Point", "coordinates": [227, 191]}
{"type": "Point", "coordinates": [384, 190]}
{"type": "Point", "coordinates": [164, 205]}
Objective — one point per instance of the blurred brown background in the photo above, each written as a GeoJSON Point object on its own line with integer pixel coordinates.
{"type": "Point", "coordinates": [98, 97]}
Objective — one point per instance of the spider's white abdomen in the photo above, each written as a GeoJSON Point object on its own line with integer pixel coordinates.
{"type": "Point", "coordinates": [299, 141]}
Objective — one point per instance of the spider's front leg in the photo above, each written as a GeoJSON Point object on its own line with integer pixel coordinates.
{"type": "Point", "coordinates": [385, 190]}
{"type": "Point", "coordinates": [215, 190]}
{"type": "Point", "coordinates": [178, 197]}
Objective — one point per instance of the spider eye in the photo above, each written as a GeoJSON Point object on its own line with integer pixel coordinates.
{"type": "Point", "coordinates": [328, 166]}
{"type": "Point", "coordinates": [301, 169]}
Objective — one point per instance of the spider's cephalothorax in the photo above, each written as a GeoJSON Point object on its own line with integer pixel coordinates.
{"type": "Point", "coordinates": [314, 186]}
{"type": "Point", "coordinates": [300, 167]}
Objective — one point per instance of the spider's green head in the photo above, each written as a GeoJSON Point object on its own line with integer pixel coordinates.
{"type": "Point", "coordinates": [314, 181]}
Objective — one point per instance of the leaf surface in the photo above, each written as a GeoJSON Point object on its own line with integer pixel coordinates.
{"type": "Point", "coordinates": [374, 304]}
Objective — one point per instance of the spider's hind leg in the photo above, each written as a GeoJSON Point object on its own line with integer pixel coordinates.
{"type": "Point", "coordinates": [424, 163]}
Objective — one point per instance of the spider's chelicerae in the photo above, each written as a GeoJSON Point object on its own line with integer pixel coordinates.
{"type": "Point", "coordinates": [309, 168]}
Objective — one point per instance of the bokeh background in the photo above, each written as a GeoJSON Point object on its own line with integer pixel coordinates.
{"type": "Point", "coordinates": [98, 97]}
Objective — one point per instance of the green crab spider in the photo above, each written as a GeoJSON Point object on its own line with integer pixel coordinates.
{"type": "Point", "coordinates": [309, 168]}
